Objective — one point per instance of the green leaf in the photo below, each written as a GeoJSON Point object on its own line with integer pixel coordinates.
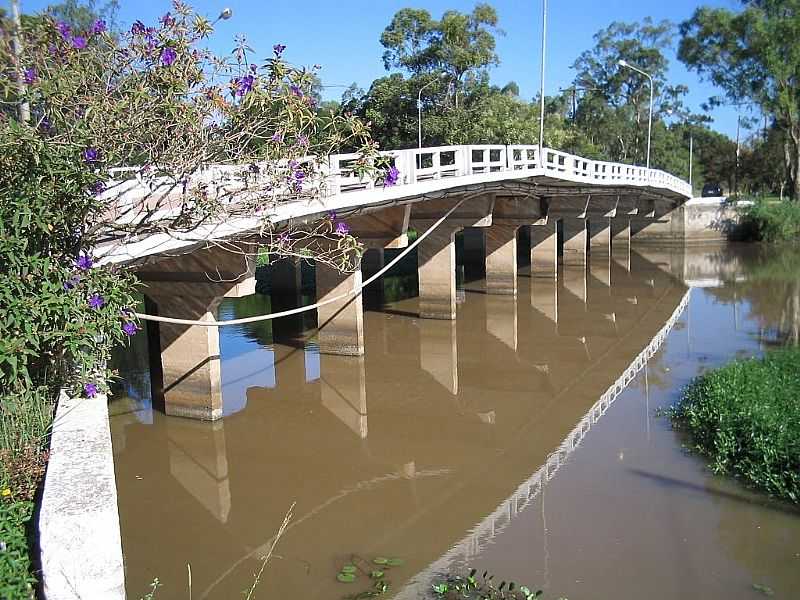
{"type": "Point", "coordinates": [346, 577]}
{"type": "Point", "coordinates": [349, 569]}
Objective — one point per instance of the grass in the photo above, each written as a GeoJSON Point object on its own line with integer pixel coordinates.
{"type": "Point", "coordinates": [745, 417]}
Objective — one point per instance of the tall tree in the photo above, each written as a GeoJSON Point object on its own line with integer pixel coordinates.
{"type": "Point", "coordinates": [754, 56]}
{"type": "Point", "coordinates": [457, 44]}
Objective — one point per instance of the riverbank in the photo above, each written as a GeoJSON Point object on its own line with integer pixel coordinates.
{"type": "Point", "coordinates": [745, 417]}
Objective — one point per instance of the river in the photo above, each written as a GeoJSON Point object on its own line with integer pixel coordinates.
{"type": "Point", "coordinates": [522, 438]}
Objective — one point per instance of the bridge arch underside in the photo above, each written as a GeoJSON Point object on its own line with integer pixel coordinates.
{"type": "Point", "coordinates": [561, 223]}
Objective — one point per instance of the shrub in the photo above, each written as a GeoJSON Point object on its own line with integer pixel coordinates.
{"type": "Point", "coordinates": [745, 417]}
{"type": "Point", "coordinates": [16, 580]}
{"type": "Point", "coordinates": [773, 221]}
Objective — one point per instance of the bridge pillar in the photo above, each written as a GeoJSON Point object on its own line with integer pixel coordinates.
{"type": "Point", "coordinates": [438, 353]}
{"type": "Point", "coordinates": [600, 235]}
{"type": "Point", "coordinates": [544, 249]}
{"type": "Point", "coordinates": [437, 274]}
{"type": "Point", "coordinates": [501, 259]}
{"type": "Point", "coordinates": [574, 240]}
{"type": "Point", "coordinates": [340, 323]}
{"type": "Point", "coordinates": [285, 283]}
{"type": "Point", "coordinates": [185, 362]}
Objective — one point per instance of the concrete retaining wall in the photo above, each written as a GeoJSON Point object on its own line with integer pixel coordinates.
{"type": "Point", "coordinates": [79, 535]}
{"type": "Point", "coordinates": [697, 221]}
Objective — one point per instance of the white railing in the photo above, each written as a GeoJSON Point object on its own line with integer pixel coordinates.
{"type": "Point", "coordinates": [426, 164]}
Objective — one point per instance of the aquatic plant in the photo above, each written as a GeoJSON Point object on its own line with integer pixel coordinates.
{"type": "Point", "coordinates": [375, 572]}
{"type": "Point", "coordinates": [471, 586]}
{"type": "Point", "coordinates": [745, 417]}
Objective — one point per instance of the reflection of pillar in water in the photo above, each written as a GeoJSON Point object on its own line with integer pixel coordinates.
{"type": "Point", "coordinates": [544, 298]}
{"type": "Point", "coordinates": [600, 268]}
{"type": "Point", "coordinates": [575, 281]}
{"type": "Point", "coordinates": [198, 461]}
{"type": "Point", "coordinates": [438, 352]}
{"type": "Point", "coordinates": [344, 390]}
{"type": "Point", "coordinates": [501, 319]}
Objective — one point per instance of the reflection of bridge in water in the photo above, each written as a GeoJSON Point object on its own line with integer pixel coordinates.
{"type": "Point", "coordinates": [458, 414]}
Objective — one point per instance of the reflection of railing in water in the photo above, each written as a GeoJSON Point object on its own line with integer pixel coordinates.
{"type": "Point", "coordinates": [520, 499]}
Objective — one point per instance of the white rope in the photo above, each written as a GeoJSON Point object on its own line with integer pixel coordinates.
{"type": "Point", "coordinates": [355, 291]}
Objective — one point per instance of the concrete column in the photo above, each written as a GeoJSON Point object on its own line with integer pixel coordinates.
{"type": "Point", "coordinates": [340, 323]}
{"type": "Point", "coordinates": [438, 353]}
{"type": "Point", "coordinates": [436, 257]}
{"type": "Point", "coordinates": [620, 236]}
{"type": "Point", "coordinates": [285, 284]}
{"type": "Point", "coordinates": [475, 250]}
{"type": "Point", "coordinates": [574, 277]}
{"type": "Point", "coordinates": [600, 236]}
{"type": "Point", "coordinates": [189, 356]}
{"type": "Point", "coordinates": [574, 241]}
{"type": "Point", "coordinates": [501, 259]}
{"type": "Point", "coordinates": [544, 249]}
{"type": "Point", "coordinates": [371, 263]}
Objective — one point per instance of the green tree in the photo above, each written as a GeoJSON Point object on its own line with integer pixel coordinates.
{"type": "Point", "coordinates": [753, 55]}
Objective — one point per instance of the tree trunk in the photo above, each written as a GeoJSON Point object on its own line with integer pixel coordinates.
{"type": "Point", "coordinates": [792, 150]}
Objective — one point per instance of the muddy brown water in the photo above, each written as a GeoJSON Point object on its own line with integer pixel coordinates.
{"type": "Point", "coordinates": [520, 439]}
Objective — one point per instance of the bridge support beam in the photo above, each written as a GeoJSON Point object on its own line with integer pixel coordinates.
{"type": "Point", "coordinates": [600, 235]}
{"type": "Point", "coordinates": [501, 259]}
{"type": "Point", "coordinates": [437, 274]}
{"type": "Point", "coordinates": [574, 240]}
{"type": "Point", "coordinates": [340, 323]}
{"type": "Point", "coordinates": [544, 249]}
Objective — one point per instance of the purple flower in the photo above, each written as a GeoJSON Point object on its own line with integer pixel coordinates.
{"type": "Point", "coordinates": [166, 20]}
{"type": "Point", "coordinates": [278, 49]}
{"type": "Point", "coordinates": [277, 137]}
{"type": "Point", "coordinates": [91, 155]}
{"type": "Point", "coordinates": [392, 175]}
{"type": "Point", "coordinates": [130, 328]}
{"type": "Point", "coordinates": [283, 238]}
{"type": "Point", "coordinates": [72, 282]}
{"type": "Point", "coordinates": [96, 301]}
{"type": "Point", "coordinates": [302, 140]}
{"type": "Point", "coordinates": [138, 28]}
{"type": "Point", "coordinates": [84, 262]}
{"type": "Point", "coordinates": [63, 29]}
{"type": "Point", "coordinates": [332, 215]}
{"type": "Point", "coordinates": [45, 124]}
{"type": "Point", "coordinates": [243, 84]}
{"type": "Point", "coordinates": [296, 91]}
{"type": "Point", "coordinates": [79, 42]}
{"type": "Point", "coordinates": [342, 228]}
{"type": "Point", "coordinates": [98, 187]}
{"type": "Point", "coordinates": [253, 68]}
{"type": "Point", "coordinates": [30, 75]}
{"type": "Point", "coordinates": [168, 56]}
{"type": "Point", "coordinates": [98, 27]}
{"type": "Point", "coordinates": [90, 390]}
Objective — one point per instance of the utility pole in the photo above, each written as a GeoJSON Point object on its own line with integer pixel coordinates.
{"type": "Point", "coordinates": [24, 110]}
{"type": "Point", "coordinates": [541, 86]}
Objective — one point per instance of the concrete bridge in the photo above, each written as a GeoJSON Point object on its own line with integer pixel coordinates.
{"type": "Point", "coordinates": [571, 207]}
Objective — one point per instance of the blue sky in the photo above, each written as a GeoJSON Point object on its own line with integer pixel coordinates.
{"type": "Point", "coordinates": [344, 36]}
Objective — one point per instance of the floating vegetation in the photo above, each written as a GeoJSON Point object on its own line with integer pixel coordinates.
{"type": "Point", "coordinates": [482, 588]}
{"type": "Point", "coordinates": [363, 570]}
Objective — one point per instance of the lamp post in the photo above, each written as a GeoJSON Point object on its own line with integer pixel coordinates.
{"type": "Point", "coordinates": [226, 14]}
{"type": "Point", "coordinates": [419, 108]}
{"type": "Point", "coordinates": [624, 63]}
{"type": "Point", "coordinates": [541, 84]}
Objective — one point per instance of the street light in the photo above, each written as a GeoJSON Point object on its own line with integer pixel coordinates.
{"type": "Point", "coordinates": [624, 63]}
{"type": "Point", "coordinates": [419, 107]}
{"type": "Point", "coordinates": [226, 14]}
